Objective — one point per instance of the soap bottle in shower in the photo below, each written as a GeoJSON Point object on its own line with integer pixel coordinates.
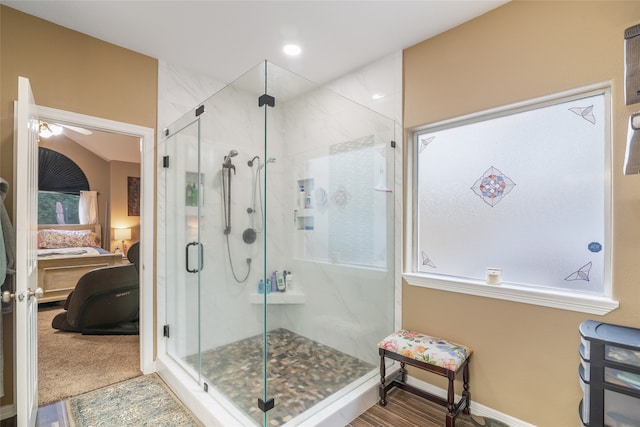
{"type": "Point", "coordinates": [281, 285]}
{"type": "Point", "coordinates": [288, 280]}
{"type": "Point", "coordinates": [274, 281]}
{"type": "Point", "coordinates": [194, 195]}
{"type": "Point", "coordinates": [188, 195]}
{"type": "Point", "coordinates": [301, 196]}
{"type": "Point", "coordinates": [261, 286]}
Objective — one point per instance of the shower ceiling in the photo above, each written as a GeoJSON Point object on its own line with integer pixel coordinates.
{"type": "Point", "coordinates": [223, 39]}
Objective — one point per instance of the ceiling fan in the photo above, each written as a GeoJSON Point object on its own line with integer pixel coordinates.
{"type": "Point", "coordinates": [51, 129]}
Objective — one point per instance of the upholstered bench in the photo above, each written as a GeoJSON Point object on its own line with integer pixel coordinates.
{"type": "Point", "coordinates": [431, 354]}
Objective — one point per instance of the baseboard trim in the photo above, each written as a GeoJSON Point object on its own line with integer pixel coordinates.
{"type": "Point", "coordinates": [7, 411]}
{"type": "Point", "coordinates": [476, 408]}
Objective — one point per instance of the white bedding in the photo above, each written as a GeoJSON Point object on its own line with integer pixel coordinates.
{"type": "Point", "coordinates": [66, 252]}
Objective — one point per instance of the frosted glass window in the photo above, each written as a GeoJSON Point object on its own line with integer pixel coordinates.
{"type": "Point", "coordinates": [523, 190]}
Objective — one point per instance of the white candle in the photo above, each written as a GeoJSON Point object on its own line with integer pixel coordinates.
{"type": "Point", "coordinates": [494, 276]}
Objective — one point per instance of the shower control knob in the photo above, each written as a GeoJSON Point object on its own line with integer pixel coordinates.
{"type": "Point", "coordinates": [249, 210]}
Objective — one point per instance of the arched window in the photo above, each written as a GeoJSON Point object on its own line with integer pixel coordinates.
{"type": "Point", "coordinates": [60, 181]}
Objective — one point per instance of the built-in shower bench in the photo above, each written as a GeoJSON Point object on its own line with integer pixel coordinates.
{"type": "Point", "coordinates": [430, 354]}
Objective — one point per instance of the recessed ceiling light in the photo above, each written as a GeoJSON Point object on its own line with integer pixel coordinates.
{"type": "Point", "coordinates": [377, 96]}
{"type": "Point", "coordinates": [292, 49]}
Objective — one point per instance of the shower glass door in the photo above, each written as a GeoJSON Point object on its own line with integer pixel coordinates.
{"type": "Point", "coordinates": [215, 234]}
{"type": "Point", "coordinates": [184, 260]}
{"type": "Point", "coordinates": [329, 235]}
{"type": "Point", "coordinates": [233, 234]}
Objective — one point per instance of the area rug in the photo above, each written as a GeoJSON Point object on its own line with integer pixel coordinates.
{"type": "Point", "coordinates": [70, 363]}
{"type": "Point", "coordinates": [142, 401]}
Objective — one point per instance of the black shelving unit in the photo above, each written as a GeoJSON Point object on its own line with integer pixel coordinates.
{"type": "Point", "coordinates": [609, 375]}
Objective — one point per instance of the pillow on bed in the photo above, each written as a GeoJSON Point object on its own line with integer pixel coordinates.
{"type": "Point", "coordinates": [54, 239]}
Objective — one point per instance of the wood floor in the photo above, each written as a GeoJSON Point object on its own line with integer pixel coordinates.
{"type": "Point", "coordinates": [403, 410]}
{"type": "Point", "coordinates": [407, 410]}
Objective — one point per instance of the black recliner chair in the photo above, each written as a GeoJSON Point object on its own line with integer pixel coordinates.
{"type": "Point", "coordinates": [106, 301]}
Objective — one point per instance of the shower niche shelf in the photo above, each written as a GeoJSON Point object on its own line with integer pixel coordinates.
{"type": "Point", "coordinates": [278, 298]}
{"type": "Point", "coordinates": [304, 220]}
{"type": "Point", "coordinates": [305, 203]}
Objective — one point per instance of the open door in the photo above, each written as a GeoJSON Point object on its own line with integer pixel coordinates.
{"type": "Point", "coordinates": [26, 225]}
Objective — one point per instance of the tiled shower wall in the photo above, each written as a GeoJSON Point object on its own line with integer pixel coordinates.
{"type": "Point", "coordinates": [181, 90]}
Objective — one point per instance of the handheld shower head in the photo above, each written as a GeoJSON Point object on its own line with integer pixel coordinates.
{"type": "Point", "coordinates": [227, 161]}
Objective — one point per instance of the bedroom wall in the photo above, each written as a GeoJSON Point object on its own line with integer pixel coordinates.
{"type": "Point", "coordinates": [526, 357]}
{"type": "Point", "coordinates": [73, 72]}
{"type": "Point", "coordinates": [119, 214]}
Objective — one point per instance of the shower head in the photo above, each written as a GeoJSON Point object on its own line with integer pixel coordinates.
{"type": "Point", "coordinates": [226, 164]}
{"type": "Point", "coordinates": [250, 162]}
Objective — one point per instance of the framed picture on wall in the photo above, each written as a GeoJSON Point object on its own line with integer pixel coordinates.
{"type": "Point", "coordinates": [133, 195]}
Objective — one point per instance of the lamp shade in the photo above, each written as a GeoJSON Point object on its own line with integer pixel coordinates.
{"type": "Point", "coordinates": [121, 234]}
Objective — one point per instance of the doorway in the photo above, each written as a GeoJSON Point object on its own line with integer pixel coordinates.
{"type": "Point", "coordinates": [145, 136]}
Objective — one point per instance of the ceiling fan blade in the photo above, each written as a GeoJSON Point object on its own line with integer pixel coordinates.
{"type": "Point", "coordinates": [76, 129]}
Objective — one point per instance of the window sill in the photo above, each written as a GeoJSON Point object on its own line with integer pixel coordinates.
{"type": "Point", "coordinates": [508, 292]}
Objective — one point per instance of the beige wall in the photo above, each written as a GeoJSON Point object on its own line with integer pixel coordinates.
{"type": "Point", "coordinates": [526, 357]}
{"type": "Point", "coordinates": [73, 72]}
{"type": "Point", "coordinates": [120, 218]}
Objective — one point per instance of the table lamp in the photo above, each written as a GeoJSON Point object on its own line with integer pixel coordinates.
{"type": "Point", "coordinates": [122, 234]}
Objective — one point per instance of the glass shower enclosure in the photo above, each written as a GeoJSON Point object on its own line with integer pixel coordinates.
{"type": "Point", "coordinates": [279, 245]}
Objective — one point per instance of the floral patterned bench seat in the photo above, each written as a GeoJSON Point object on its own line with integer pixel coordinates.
{"type": "Point", "coordinates": [431, 354]}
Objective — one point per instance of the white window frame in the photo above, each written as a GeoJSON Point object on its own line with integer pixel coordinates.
{"type": "Point", "coordinates": [565, 300]}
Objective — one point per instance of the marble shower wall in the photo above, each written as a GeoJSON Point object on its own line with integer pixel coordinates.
{"type": "Point", "coordinates": [348, 300]}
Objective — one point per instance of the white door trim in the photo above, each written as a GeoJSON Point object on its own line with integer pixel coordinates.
{"type": "Point", "coordinates": [147, 195]}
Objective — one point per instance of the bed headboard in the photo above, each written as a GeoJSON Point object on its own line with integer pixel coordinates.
{"type": "Point", "coordinates": [96, 228]}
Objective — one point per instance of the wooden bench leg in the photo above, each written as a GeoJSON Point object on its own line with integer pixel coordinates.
{"type": "Point", "coordinates": [466, 395]}
{"type": "Point", "coordinates": [451, 403]}
{"type": "Point", "coordinates": [403, 372]}
{"type": "Point", "coordinates": [382, 389]}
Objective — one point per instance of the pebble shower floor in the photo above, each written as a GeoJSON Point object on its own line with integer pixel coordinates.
{"type": "Point", "coordinates": [301, 373]}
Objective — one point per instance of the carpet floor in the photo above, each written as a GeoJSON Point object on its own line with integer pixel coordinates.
{"type": "Point", "coordinates": [70, 363]}
{"type": "Point", "coordinates": [142, 401]}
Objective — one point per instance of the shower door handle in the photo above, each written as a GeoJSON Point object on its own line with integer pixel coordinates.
{"type": "Point", "coordinates": [200, 261]}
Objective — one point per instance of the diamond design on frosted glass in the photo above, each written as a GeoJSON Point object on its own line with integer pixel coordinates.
{"type": "Point", "coordinates": [581, 274]}
{"type": "Point", "coordinates": [424, 141]}
{"type": "Point", "coordinates": [492, 186]}
{"type": "Point", "coordinates": [585, 112]}
{"type": "Point", "coordinates": [427, 261]}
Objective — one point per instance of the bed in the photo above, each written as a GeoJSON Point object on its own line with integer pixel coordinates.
{"type": "Point", "coordinates": [65, 253]}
